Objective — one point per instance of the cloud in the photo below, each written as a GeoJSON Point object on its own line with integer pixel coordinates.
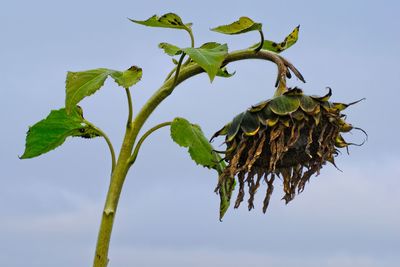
{"type": "Point", "coordinates": [342, 219]}
{"type": "Point", "coordinates": [147, 257]}
{"type": "Point", "coordinates": [73, 215]}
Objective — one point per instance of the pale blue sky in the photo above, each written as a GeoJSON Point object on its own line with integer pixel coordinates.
{"type": "Point", "coordinates": [168, 214]}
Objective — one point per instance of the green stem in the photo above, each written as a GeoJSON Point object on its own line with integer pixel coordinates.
{"type": "Point", "coordinates": [261, 42]}
{"type": "Point", "coordinates": [189, 30]}
{"type": "Point", "coordinates": [187, 61]}
{"type": "Point", "coordinates": [130, 108]}
{"type": "Point", "coordinates": [178, 68]}
{"type": "Point", "coordinates": [132, 159]}
{"type": "Point", "coordinates": [125, 157]}
{"type": "Point", "coordinates": [110, 208]}
{"type": "Point", "coordinates": [108, 141]}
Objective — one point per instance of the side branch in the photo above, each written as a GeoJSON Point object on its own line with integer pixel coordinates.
{"type": "Point", "coordinates": [132, 159]}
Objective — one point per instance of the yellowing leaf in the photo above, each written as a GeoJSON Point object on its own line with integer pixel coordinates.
{"type": "Point", "coordinates": [244, 24]}
{"type": "Point", "coordinates": [234, 127]}
{"type": "Point", "coordinates": [250, 124]}
{"type": "Point", "coordinates": [276, 47]}
{"type": "Point", "coordinates": [170, 49]}
{"type": "Point", "coordinates": [127, 78]}
{"type": "Point", "coordinates": [169, 20]}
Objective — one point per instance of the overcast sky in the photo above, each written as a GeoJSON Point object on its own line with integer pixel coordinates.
{"type": "Point", "coordinates": [168, 213]}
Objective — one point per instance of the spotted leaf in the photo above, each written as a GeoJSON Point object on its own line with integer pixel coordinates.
{"type": "Point", "coordinates": [289, 40]}
{"type": "Point", "coordinates": [244, 24]}
{"type": "Point", "coordinates": [169, 20]}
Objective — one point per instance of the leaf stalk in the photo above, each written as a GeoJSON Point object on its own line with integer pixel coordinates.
{"type": "Point", "coordinates": [130, 108]}
{"type": "Point", "coordinates": [260, 46]}
{"type": "Point", "coordinates": [132, 159]}
{"type": "Point", "coordinates": [108, 141]}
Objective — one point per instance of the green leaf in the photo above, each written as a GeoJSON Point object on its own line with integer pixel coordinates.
{"type": "Point", "coordinates": [244, 24]}
{"type": "Point", "coordinates": [290, 40]}
{"type": "Point", "coordinates": [169, 20]}
{"type": "Point", "coordinates": [190, 135]}
{"type": "Point", "coordinates": [210, 59]}
{"type": "Point", "coordinates": [85, 83]}
{"type": "Point", "coordinates": [170, 49]}
{"type": "Point", "coordinates": [51, 132]}
{"type": "Point", "coordinates": [127, 78]}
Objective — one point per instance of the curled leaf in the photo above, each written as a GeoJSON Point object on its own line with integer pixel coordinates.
{"type": "Point", "coordinates": [343, 106]}
{"type": "Point", "coordinates": [223, 72]}
{"type": "Point", "coordinates": [323, 98]}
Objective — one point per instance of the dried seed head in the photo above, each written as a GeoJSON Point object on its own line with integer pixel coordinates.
{"type": "Point", "coordinates": [290, 136]}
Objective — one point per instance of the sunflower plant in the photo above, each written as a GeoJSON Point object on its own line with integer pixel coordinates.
{"type": "Point", "coordinates": [290, 136]}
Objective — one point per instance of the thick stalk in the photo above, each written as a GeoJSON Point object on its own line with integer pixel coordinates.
{"type": "Point", "coordinates": [110, 207]}
{"type": "Point", "coordinates": [125, 157]}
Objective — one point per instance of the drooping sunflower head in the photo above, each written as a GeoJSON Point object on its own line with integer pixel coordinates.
{"type": "Point", "coordinates": [290, 136]}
